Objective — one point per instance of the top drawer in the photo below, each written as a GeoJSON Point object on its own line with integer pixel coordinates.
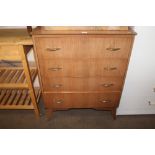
{"type": "Point", "coordinates": [83, 47]}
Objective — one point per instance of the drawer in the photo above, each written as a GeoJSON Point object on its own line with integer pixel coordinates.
{"type": "Point", "coordinates": [81, 100]}
{"type": "Point", "coordinates": [82, 84]}
{"type": "Point", "coordinates": [9, 53]}
{"type": "Point", "coordinates": [82, 46]}
{"type": "Point", "coordinates": [80, 68]}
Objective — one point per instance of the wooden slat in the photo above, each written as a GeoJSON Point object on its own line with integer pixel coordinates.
{"type": "Point", "coordinates": [2, 95]}
{"type": "Point", "coordinates": [13, 94]}
{"type": "Point", "coordinates": [18, 95]}
{"type": "Point", "coordinates": [27, 101]}
{"type": "Point", "coordinates": [22, 78]}
{"type": "Point", "coordinates": [15, 78]}
{"type": "Point", "coordinates": [26, 107]}
{"type": "Point", "coordinates": [1, 72]}
{"type": "Point", "coordinates": [23, 97]}
{"type": "Point", "coordinates": [13, 85]}
{"type": "Point", "coordinates": [18, 75]}
{"type": "Point", "coordinates": [11, 68]}
{"type": "Point", "coordinates": [25, 81]}
{"type": "Point", "coordinates": [2, 78]}
{"type": "Point", "coordinates": [6, 97]}
{"type": "Point", "coordinates": [14, 68]}
{"type": "Point", "coordinates": [17, 99]}
{"type": "Point", "coordinates": [9, 77]}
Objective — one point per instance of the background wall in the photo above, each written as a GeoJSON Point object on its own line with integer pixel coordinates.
{"type": "Point", "coordinates": [140, 80]}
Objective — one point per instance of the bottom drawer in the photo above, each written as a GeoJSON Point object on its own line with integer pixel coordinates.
{"type": "Point", "coordinates": [81, 100]}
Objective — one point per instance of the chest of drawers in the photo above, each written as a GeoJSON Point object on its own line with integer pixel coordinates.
{"type": "Point", "coordinates": [82, 69]}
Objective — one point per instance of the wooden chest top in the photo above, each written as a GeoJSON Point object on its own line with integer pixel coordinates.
{"type": "Point", "coordinates": [41, 30]}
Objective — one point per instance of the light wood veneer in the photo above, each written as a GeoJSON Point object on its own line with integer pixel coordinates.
{"type": "Point", "coordinates": [82, 70]}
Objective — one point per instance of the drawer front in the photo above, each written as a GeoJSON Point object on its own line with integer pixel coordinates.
{"type": "Point", "coordinates": [9, 53]}
{"type": "Point", "coordinates": [81, 100]}
{"type": "Point", "coordinates": [83, 47]}
{"type": "Point", "coordinates": [82, 84]}
{"type": "Point", "coordinates": [79, 68]}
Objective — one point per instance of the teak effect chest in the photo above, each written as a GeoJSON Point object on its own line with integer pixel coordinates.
{"type": "Point", "coordinates": [82, 68]}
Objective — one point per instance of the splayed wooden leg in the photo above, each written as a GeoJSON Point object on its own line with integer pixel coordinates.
{"type": "Point", "coordinates": [113, 112]}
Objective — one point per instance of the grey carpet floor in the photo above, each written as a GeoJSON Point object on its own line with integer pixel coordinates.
{"type": "Point", "coordinates": [73, 119]}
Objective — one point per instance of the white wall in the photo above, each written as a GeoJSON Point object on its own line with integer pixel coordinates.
{"type": "Point", "coordinates": [140, 80]}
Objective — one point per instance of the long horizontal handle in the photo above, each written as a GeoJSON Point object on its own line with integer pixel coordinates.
{"type": "Point", "coordinates": [59, 101]}
{"type": "Point", "coordinates": [53, 49]}
{"type": "Point", "coordinates": [55, 68]}
{"type": "Point", "coordinates": [113, 49]}
{"type": "Point", "coordinates": [107, 85]}
{"type": "Point", "coordinates": [57, 85]}
{"type": "Point", "coordinates": [105, 101]}
{"type": "Point", "coordinates": [110, 68]}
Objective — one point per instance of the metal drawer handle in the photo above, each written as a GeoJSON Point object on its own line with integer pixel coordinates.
{"type": "Point", "coordinates": [53, 49]}
{"type": "Point", "coordinates": [55, 68]}
{"type": "Point", "coordinates": [110, 69]}
{"type": "Point", "coordinates": [113, 49]}
{"type": "Point", "coordinates": [59, 101]}
{"type": "Point", "coordinates": [57, 85]}
{"type": "Point", "coordinates": [105, 101]}
{"type": "Point", "coordinates": [107, 85]}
